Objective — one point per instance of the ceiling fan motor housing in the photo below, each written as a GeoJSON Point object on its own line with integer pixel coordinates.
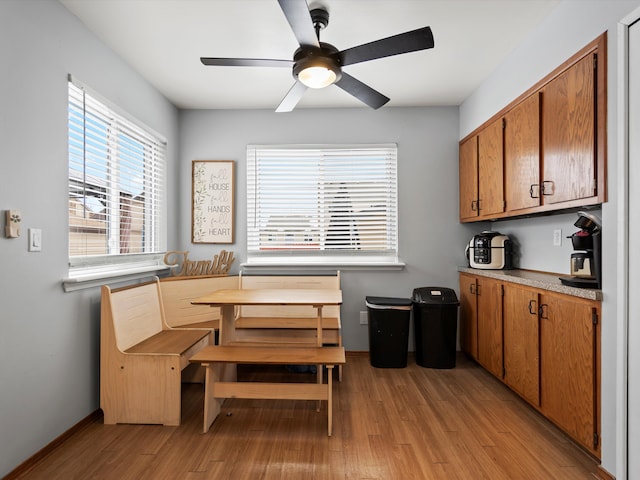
{"type": "Point", "coordinates": [326, 56]}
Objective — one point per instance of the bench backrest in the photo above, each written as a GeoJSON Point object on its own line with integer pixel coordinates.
{"type": "Point", "coordinates": [286, 282]}
{"type": "Point", "coordinates": [135, 312]}
{"type": "Point", "coordinates": [178, 292]}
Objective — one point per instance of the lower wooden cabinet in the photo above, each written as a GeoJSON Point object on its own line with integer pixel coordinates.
{"type": "Point", "coordinates": [489, 296]}
{"type": "Point", "coordinates": [569, 366]}
{"type": "Point", "coordinates": [544, 345]}
{"type": "Point", "coordinates": [481, 321]}
{"type": "Point", "coordinates": [469, 315]}
{"type": "Point", "coordinates": [521, 341]}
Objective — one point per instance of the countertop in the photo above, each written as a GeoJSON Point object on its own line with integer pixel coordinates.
{"type": "Point", "coordinates": [545, 281]}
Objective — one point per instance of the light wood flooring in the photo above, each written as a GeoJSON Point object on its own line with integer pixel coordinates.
{"type": "Point", "coordinates": [410, 423]}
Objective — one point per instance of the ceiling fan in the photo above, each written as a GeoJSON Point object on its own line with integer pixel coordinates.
{"type": "Point", "coordinates": [318, 64]}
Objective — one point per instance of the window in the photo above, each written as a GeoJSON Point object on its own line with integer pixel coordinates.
{"type": "Point", "coordinates": [325, 204]}
{"type": "Point", "coordinates": [116, 186]}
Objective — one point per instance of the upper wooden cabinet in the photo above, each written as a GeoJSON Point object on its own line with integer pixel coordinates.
{"type": "Point", "coordinates": [481, 181]}
{"type": "Point", "coordinates": [568, 134]}
{"type": "Point", "coordinates": [522, 154]}
{"type": "Point", "coordinates": [490, 181]}
{"type": "Point", "coordinates": [469, 180]}
{"type": "Point", "coordinates": [545, 151]}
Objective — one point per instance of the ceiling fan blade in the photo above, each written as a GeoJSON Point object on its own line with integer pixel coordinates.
{"type": "Point", "coordinates": [292, 98]}
{"type": "Point", "coordinates": [361, 91]}
{"type": "Point", "coordinates": [245, 62]}
{"type": "Point", "coordinates": [299, 18]}
{"type": "Point", "coordinates": [412, 41]}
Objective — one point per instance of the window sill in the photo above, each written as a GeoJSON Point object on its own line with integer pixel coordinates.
{"type": "Point", "coordinates": [321, 264]}
{"type": "Point", "coordinates": [96, 278]}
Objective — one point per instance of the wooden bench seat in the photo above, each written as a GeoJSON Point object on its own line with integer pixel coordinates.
{"type": "Point", "coordinates": [216, 389]}
{"type": "Point", "coordinates": [183, 343]}
{"type": "Point", "coordinates": [213, 325]}
{"type": "Point", "coordinates": [170, 342]}
{"type": "Point", "coordinates": [141, 358]}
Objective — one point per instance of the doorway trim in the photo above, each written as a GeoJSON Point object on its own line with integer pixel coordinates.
{"type": "Point", "coordinates": [623, 215]}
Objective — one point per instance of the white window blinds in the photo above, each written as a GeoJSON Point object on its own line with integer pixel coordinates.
{"type": "Point", "coordinates": [326, 200]}
{"type": "Point", "coordinates": [116, 181]}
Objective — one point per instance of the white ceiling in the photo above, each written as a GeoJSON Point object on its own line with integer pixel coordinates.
{"type": "Point", "coordinates": [164, 40]}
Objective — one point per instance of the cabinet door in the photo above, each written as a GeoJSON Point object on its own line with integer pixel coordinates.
{"type": "Point", "coordinates": [568, 134]}
{"type": "Point", "coordinates": [522, 155]}
{"type": "Point", "coordinates": [568, 365]}
{"type": "Point", "coordinates": [521, 346]}
{"type": "Point", "coordinates": [489, 295]}
{"type": "Point", "coordinates": [468, 175]}
{"type": "Point", "coordinates": [490, 169]}
{"type": "Point", "coordinates": [468, 316]}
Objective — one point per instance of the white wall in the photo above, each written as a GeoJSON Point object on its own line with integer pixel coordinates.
{"type": "Point", "coordinates": [431, 239]}
{"type": "Point", "coordinates": [49, 342]}
{"type": "Point", "coordinates": [533, 239]}
{"type": "Point", "coordinates": [569, 27]}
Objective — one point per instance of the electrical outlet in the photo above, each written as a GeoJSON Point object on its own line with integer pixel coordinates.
{"type": "Point", "coordinates": [557, 237]}
{"type": "Point", "coordinates": [364, 318]}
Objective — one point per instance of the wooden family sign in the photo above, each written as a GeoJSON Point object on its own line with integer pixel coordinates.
{"type": "Point", "coordinates": [220, 265]}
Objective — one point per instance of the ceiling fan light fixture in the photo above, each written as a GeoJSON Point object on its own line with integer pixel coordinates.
{"type": "Point", "coordinates": [317, 77]}
{"type": "Point", "coordinates": [317, 72]}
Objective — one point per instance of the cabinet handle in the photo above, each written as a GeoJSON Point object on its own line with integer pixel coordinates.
{"type": "Point", "coordinates": [474, 205]}
{"type": "Point", "coordinates": [542, 311]}
{"type": "Point", "coordinates": [548, 191]}
{"type": "Point", "coordinates": [532, 307]}
{"type": "Point", "coordinates": [472, 288]}
{"type": "Point", "coordinates": [537, 187]}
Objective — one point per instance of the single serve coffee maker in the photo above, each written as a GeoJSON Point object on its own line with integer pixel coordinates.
{"type": "Point", "coordinates": [586, 260]}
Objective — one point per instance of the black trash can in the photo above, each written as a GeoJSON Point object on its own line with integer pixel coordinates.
{"type": "Point", "coordinates": [435, 317]}
{"type": "Point", "coordinates": [388, 331]}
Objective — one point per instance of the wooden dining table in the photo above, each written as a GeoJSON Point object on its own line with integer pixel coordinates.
{"type": "Point", "coordinates": [229, 299]}
{"type": "Point", "coordinates": [221, 374]}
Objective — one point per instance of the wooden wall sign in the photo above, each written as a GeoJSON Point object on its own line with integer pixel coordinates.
{"type": "Point", "coordinates": [183, 267]}
{"type": "Point", "coordinates": [212, 207]}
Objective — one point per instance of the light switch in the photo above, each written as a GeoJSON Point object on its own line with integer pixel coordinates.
{"type": "Point", "coordinates": [35, 240]}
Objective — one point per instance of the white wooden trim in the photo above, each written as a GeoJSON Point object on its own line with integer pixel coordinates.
{"type": "Point", "coordinates": [623, 216]}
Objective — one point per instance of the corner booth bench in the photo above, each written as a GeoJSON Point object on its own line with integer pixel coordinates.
{"type": "Point", "coordinates": [141, 357]}
{"type": "Point", "coordinates": [150, 333]}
